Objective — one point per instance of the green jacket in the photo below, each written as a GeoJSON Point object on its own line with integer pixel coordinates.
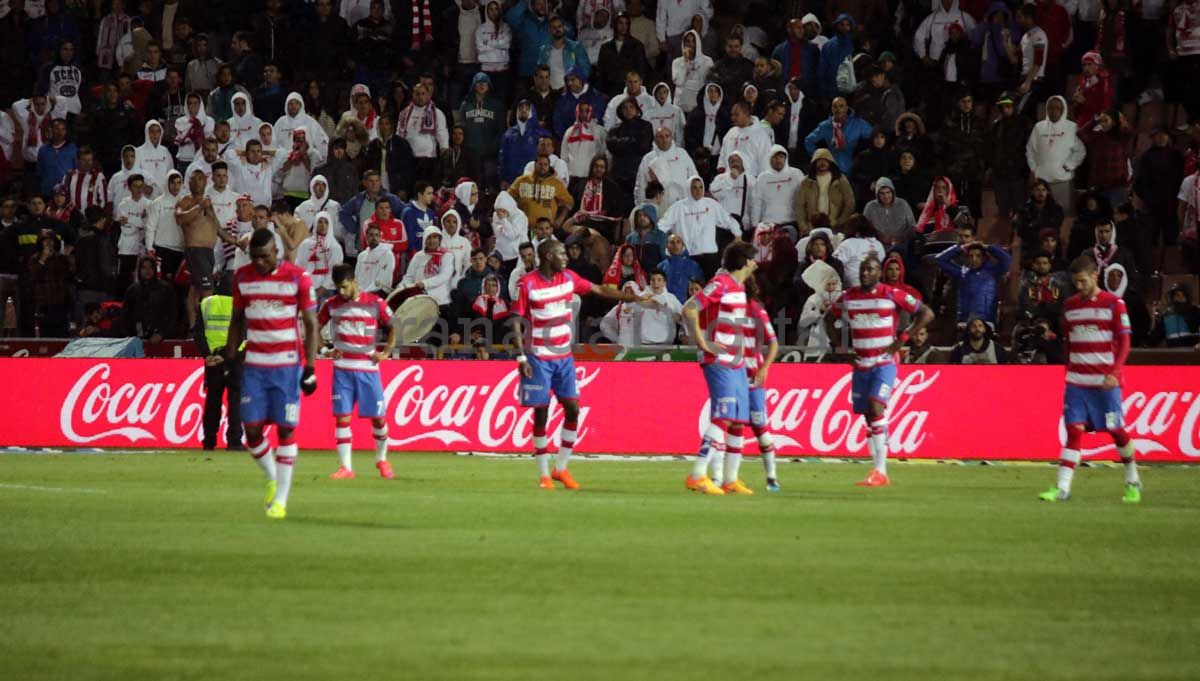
{"type": "Point", "coordinates": [484, 124]}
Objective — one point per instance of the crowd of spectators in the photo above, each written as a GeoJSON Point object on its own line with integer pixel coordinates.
{"type": "Point", "coordinates": [976, 146]}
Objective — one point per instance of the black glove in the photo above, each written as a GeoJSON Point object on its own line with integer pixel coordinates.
{"type": "Point", "coordinates": [308, 381]}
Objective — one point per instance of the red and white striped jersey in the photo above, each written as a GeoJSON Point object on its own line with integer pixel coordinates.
{"type": "Point", "coordinates": [759, 334]}
{"type": "Point", "coordinates": [355, 324]}
{"type": "Point", "coordinates": [546, 303]}
{"type": "Point", "coordinates": [1092, 328]}
{"type": "Point", "coordinates": [873, 321]}
{"type": "Point", "coordinates": [85, 190]}
{"type": "Point", "coordinates": [723, 320]}
{"type": "Point", "coordinates": [272, 302]}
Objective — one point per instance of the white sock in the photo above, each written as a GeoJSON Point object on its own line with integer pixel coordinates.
{"type": "Point", "coordinates": [539, 453]}
{"type": "Point", "coordinates": [285, 464]}
{"type": "Point", "coordinates": [714, 436]}
{"type": "Point", "coordinates": [381, 443]}
{"type": "Point", "coordinates": [879, 446]}
{"type": "Point", "coordinates": [341, 435]}
{"type": "Point", "coordinates": [716, 466]}
{"type": "Point", "coordinates": [1067, 473]}
{"type": "Point", "coordinates": [766, 446]}
{"type": "Point", "coordinates": [1128, 455]}
{"type": "Point", "coordinates": [733, 458]}
{"type": "Point", "coordinates": [564, 450]}
{"type": "Point", "coordinates": [262, 456]}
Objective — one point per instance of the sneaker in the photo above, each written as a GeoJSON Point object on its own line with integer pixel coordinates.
{"type": "Point", "coordinates": [385, 469]}
{"type": "Point", "coordinates": [875, 479]}
{"type": "Point", "coordinates": [737, 487]}
{"type": "Point", "coordinates": [691, 483]}
{"type": "Point", "coordinates": [705, 486]}
{"type": "Point", "coordinates": [271, 485]}
{"type": "Point", "coordinates": [276, 511]}
{"type": "Point", "coordinates": [772, 485]}
{"type": "Point", "coordinates": [565, 478]}
{"type": "Point", "coordinates": [1133, 493]}
{"type": "Point", "coordinates": [1054, 494]}
{"type": "Point", "coordinates": [545, 482]}
{"type": "Point", "coordinates": [342, 473]}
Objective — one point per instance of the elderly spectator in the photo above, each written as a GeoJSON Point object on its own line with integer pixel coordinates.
{"type": "Point", "coordinates": [679, 268]}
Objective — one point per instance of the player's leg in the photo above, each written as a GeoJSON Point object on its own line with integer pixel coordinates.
{"type": "Point", "coordinates": [716, 461]}
{"type": "Point", "coordinates": [567, 443]}
{"type": "Point", "coordinates": [379, 430]}
{"type": "Point", "coordinates": [369, 395]}
{"type": "Point", "coordinates": [254, 415]}
{"type": "Point", "coordinates": [712, 448]}
{"type": "Point", "coordinates": [872, 404]}
{"type": "Point", "coordinates": [766, 444]}
{"type": "Point", "coordinates": [1114, 421]}
{"type": "Point", "coordinates": [541, 452]}
{"type": "Point", "coordinates": [284, 412]}
{"type": "Point", "coordinates": [734, 443]}
{"type": "Point", "coordinates": [1068, 459]}
{"type": "Point", "coordinates": [285, 465]}
{"type": "Point", "coordinates": [343, 398]}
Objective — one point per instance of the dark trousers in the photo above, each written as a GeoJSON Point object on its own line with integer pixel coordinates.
{"type": "Point", "coordinates": [223, 378]}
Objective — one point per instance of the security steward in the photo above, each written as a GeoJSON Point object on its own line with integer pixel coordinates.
{"type": "Point", "coordinates": [220, 375]}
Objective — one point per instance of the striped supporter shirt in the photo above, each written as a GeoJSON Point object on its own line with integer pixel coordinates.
{"type": "Point", "coordinates": [873, 321]}
{"type": "Point", "coordinates": [759, 334]}
{"type": "Point", "coordinates": [85, 190]}
{"type": "Point", "coordinates": [1093, 328]}
{"type": "Point", "coordinates": [272, 302]}
{"type": "Point", "coordinates": [546, 303]}
{"type": "Point", "coordinates": [355, 324]}
{"type": "Point", "coordinates": [723, 320]}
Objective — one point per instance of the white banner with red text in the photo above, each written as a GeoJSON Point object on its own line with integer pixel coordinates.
{"type": "Point", "coordinates": [936, 412]}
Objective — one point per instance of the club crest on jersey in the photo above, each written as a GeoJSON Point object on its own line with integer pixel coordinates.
{"type": "Point", "coordinates": [909, 300]}
{"type": "Point", "coordinates": [711, 288]}
{"type": "Point", "coordinates": [1125, 319]}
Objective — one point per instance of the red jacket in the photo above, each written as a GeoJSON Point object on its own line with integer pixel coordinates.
{"type": "Point", "coordinates": [1108, 156]}
{"type": "Point", "coordinates": [1097, 97]}
{"type": "Point", "coordinates": [1055, 21]}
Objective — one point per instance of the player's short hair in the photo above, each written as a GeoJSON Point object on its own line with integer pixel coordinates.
{"type": "Point", "coordinates": [220, 165]}
{"type": "Point", "coordinates": [544, 248]}
{"type": "Point", "coordinates": [342, 273]}
{"type": "Point", "coordinates": [261, 237]}
{"type": "Point", "coordinates": [736, 255]}
{"type": "Point", "coordinates": [1084, 263]}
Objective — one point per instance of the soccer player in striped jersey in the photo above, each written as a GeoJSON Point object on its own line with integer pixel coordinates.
{"type": "Point", "coordinates": [760, 333]}
{"type": "Point", "coordinates": [268, 296]}
{"type": "Point", "coordinates": [871, 308]}
{"type": "Point", "coordinates": [1095, 324]}
{"type": "Point", "coordinates": [716, 319]}
{"type": "Point", "coordinates": [544, 299]}
{"type": "Point", "coordinates": [357, 316]}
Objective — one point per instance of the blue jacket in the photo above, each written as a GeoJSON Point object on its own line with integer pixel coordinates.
{"type": "Point", "coordinates": [812, 60]}
{"type": "Point", "coordinates": [680, 270]}
{"type": "Point", "coordinates": [574, 56]}
{"type": "Point", "coordinates": [564, 109]}
{"type": "Point", "coordinates": [53, 164]}
{"type": "Point", "coordinates": [415, 221]}
{"type": "Point", "coordinates": [348, 215]}
{"type": "Point", "coordinates": [531, 32]}
{"type": "Point", "coordinates": [833, 53]}
{"type": "Point", "coordinates": [517, 149]}
{"type": "Point", "coordinates": [856, 131]}
{"type": "Point", "coordinates": [977, 289]}
{"type": "Point", "coordinates": [655, 239]}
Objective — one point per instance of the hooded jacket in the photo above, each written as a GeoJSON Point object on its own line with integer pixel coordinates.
{"type": "Point", "coordinates": [493, 42]}
{"type": "Point", "coordinates": [988, 41]}
{"type": "Point", "coordinates": [651, 247]}
{"type": "Point", "coordinates": [532, 31]}
{"type": "Point", "coordinates": [930, 38]}
{"type": "Point", "coordinates": [482, 121]}
{"type": "Point", "coordinates": [162, 231]}
{"type": "Point", "coordinates": [1006, 147]}
{"type": "Point", "coordinates": [307, 211]}
{"type": "Point", "coordinates": [518, 147]}
{"type": "Point", "coordinates": [822, 234]}
{"type": "Point", "coordinates": [895, 223]}
{"type": "Point", "coordinates": [611, 115]}
{"type": "Point", "coordinates": [855, 132]}
{"type": "Point", "coordinates": [977, 289]}
{"type": "Point", "coordinates": [776, 191]}
{"type": "Point", "coordinates": [574, 56]}
{"type": "Point", "coordinates": [628, 143]}
{"type": "Point", "coordinates": [680, 270]}
{"type": "Point", "coordinates": [669, 115]}
{"type": "Point", "coordinates": [243, 128]}
{"type": "Point", "coordinates": [155, 160]}
{"type": "Point", "coordinates": [188, 150]}
{"type": "Point", "coordinates": [318, 254]}
{"type": "Point", "coordinates": [675, 163]}
{"type": "Point", "coordinates": [583, 142]}
{"type": "Point", "coordinates": [1054, 149]}
{"type": "Point", "coordinates": [433, 270]}
{"type": "Point", "coordinates": [918, 143]}
{"type": "Point", "coordinates": [675, 18]}
{"type": "Point", "coordinates": [902, 284]}
{"type": "Point", "coordinates": [963, 145]}
{"type": "Point", "coordinates": [457, 247]}
{"type": "Point", "coordinates": [564, 108]}
{"type": "Point", "coordinates": [833, 53]}
{"type": "Point", "coordinates": [808, 200]}
{"type": "Point", "coordinates": [316, 136]}
{"type": "Point", "coordinates": [753, 141]}
{"type": "Point", "coordinates": [689, 77]}
{"type": "Point", "coordinates": [809, 58]}
{"type": "Point", "coordinates": [592, 37]}
{"type": "Point", "coordinates": [707, 124]}
{"type": "Point", "coordinates": [737, 196]}
{"type": "Point", "coordinates": [511, 230]}
{"type": "Point", "coordinates": [696, 221]}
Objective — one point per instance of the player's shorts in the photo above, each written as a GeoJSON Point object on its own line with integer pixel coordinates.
{"type": "Point", "coordinates": [728, 393]}
{"type": "Point", "coordinates": [1096, 408]}
{"type": "Point", "coordinates": [357, 387]}
{"type": "Point", "coordinates": [758, 407]}
{"type": "Point", "coordinates": [201, 263]}
{"type": "Point", "coordinates": [271, 395]}
{"type": "Point", "coordinates": [549, 376]}
{"type": "Point", "coordinates": [872, 385]}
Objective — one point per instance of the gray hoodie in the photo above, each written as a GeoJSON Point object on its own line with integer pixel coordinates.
{"type": "Point", "coordinates": [895, 223]}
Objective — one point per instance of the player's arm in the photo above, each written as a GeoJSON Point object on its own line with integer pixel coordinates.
{"type": "Point", "coordinates": [691, 317]}
{"type": "Point", "coordinates": [921, 318]}
{"type": "Point", "coordinates": [237, 322]}
{"type": "Point", "coordinates": [388, 345]}
{"type": "Point", "coordinates": [610, 292]}
{"type": "Point", "coordinates": [760, 378]}
{"type": "Point", "coordinates": [1121, 345]}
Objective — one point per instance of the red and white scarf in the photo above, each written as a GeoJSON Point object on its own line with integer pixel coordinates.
{"type": "Point", "coordinates": [193, 135]}
{"type": "Point", "coordinates": [490, 307]}
{"type": "Point", "coordinates": [936, 213]}
{"type": "Point", "coordinates": [581, 131]}
{"type": "Point", "coordinates": [839, 138]}
{"type": "Point", "coordinates": [592, 201]}
{"type": "Point", "coordinates": [35, 125]}
{"type": "Point", "coordinates": [320, 255]}
{"type": "Point", "coordinates": [434, 264]}
{"type": "Point", "coordinates": [428, 119]}
{"type": "Point", "coordinates": [422, 24]}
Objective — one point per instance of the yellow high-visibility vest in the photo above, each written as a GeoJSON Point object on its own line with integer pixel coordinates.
{"type": "Point", "coordinates": [217, 312]}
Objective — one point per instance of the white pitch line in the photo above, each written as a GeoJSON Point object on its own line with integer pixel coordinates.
{"type": "Point", "coordinates": [38, 488]}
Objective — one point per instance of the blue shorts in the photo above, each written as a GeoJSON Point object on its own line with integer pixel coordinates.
{"type": "Point", "coordinates": [357, 387]}
{"type": "Point", "coordinates": [728, 393]}
{"type": "Point", "coordinates": [549, 376]}
{"type": "Point", "coordinates": [872, 385]}
{"type": "Point", "coordinates": [1096, 408]}
{"type": "Point", "coordinates": [758, 407]}
{"type": "Point", "coordinates": [271, 395]}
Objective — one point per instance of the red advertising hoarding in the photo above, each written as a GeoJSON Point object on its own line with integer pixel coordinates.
{"type": "Point", "coordinates": [937, 412]}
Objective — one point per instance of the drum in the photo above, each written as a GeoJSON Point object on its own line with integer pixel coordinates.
{"type": "Point", "coordinates": [414, 315]}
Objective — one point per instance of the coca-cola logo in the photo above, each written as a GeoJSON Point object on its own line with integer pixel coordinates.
{"type": "Point", "coordinates": [1150, 416]}
{"type": "Point", "coordinates": [832, 424]}
{"type": "Point", "coordinates": [443, 412]}
{"type": "Point", "coordinates": [95, 410]}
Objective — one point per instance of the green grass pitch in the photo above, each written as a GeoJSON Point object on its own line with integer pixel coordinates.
{"type": "Point", "coordinates": [163, 566]}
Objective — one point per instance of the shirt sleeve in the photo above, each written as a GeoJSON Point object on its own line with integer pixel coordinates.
{"type": "Point", "coordinates": [238, 303]}
{"type": "Point", "coordinates": [905, 301]}
{"type": "Point", "coordinates": [323, 314]}
{"type": "Point", "coordinates": [304, 293]}
{"type": "Point", "coordinates": [1120, 318]}
{"type": "Point", "coordinates": [839, 305]}
{"type": "Point", "coordinates": [385, 312]}
{"type": "Point", "coordinates": [710, 295]}
{"type": "Point", "coordinates": [768, 329]}
{"type": "Point", "coordinates": [521, 303]}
